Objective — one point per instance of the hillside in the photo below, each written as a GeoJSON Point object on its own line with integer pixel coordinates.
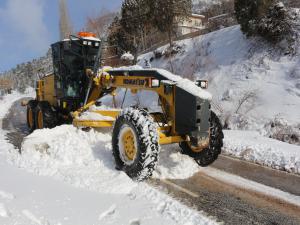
{"type": "Point", "coordinates": [255, 85]}
{"type": "Point", "coordinates": [24, 75]}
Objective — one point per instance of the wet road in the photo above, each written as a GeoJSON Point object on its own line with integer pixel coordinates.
{"type": "Point", "coordinates": [226, 202]}
{"type": "Point", "coordinates": [15, 123]}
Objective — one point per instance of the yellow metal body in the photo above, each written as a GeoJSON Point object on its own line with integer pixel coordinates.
{"type": "Point", "coordinates": [45, 90]}
{"type": "Point", "coordinates": [167, 135]}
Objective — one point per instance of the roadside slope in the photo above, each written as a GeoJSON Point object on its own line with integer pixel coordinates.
{"type": "Point", "coordinates": [238, 68]}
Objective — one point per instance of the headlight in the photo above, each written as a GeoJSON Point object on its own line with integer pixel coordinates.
{"type": "Point", "coordinates": [202, 83]}
{"type": "Point", "coordinates": [154, 83]}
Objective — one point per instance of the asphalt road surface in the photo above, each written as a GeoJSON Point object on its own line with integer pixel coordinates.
{"type": "Point", "coordinates": [224, 201]}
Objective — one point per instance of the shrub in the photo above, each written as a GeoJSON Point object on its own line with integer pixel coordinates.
{"type": "Point", "coordinates": [267, 18]}
{"type": "Point", "coordinates": [276, 25]}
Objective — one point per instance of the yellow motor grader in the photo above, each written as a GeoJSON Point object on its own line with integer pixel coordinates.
{"type": "Point", "coordinates": [77, 85]}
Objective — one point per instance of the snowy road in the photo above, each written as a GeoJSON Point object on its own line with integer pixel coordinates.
{"type": "Point", "coordinates": [214, 190]}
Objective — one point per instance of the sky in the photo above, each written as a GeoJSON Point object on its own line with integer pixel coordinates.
{"type": "Point", "coordinates": [28, 27]}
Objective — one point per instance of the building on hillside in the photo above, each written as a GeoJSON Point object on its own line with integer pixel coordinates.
{"type": "Point", "coordinates": [191, 24]}
{"type": "Point", "coordinates": [6, 86]}
{"type": "Point", "coordinates": [151, 37]}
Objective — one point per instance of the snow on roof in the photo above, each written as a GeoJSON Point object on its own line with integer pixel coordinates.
{"type": "Point", "coordinates": [91, 38]}
{"type": "Point", "coordinates": [84, 38]}
{"type": "Point", "coordinates": [129, 68]}
{"type": "Point", "coordinates": [193, 89]}
{"type": "Point", "coordinates": [167, 74]}
{"type": "Point", "coordinates": [185, 84]}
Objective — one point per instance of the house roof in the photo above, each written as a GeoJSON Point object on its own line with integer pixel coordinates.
{"type": "Point", "coordinates": [198, 16]}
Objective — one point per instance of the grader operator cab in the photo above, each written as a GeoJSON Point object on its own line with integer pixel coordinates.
{"type": "Point", "coordinates": [77, 86]}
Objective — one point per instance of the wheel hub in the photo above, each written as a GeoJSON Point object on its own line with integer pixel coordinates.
{"type": "Point", "coordinates": [129, 144]}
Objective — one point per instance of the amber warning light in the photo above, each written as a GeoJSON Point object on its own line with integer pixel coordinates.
{"type": "Point", "coordinates": [86, 34]}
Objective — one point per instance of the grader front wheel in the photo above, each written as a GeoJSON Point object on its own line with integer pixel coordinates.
{"type": "Point", "coordinates": [135, 143]}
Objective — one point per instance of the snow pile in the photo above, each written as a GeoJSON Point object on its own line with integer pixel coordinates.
{"type": "Point", "coordinates": [92, 116]}
{"type": "Point", "coordinates": [102, 107]}
{"type": "Point", "coordinates": [174, 165]}
{"type": "Point", "coordinates": [127, 56]}
{"type": "Point", "coordinates": [74, 156]}
{"type": "Point", "coordinates": [46, 201]}
{"type": "Point", "coordinates": [251, 146]}
{"type": "Point", "coordinates": [84, 159]}
{"type": "Point", "coordinates": [279, 129]}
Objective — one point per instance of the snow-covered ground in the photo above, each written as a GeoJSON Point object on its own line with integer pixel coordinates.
{"type": "Point", "coordinates": [251, 146]}
{"type": "Point", "coordinates": [67, 176]}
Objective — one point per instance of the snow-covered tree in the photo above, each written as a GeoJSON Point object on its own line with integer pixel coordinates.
{"type": "Point", "coordinates": [276, 24]}
{"type": "Point", "coordinates": [269, 19]}
{"type": "Point", "coordinates": [118, 37]}
{"type": "Point", "coordinates": [249, 12]}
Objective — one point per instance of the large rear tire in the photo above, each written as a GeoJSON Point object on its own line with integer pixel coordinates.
{"type": "Point", "coordinates": [31, 108]}
{"type": "Point", "coordinates": [45, 117]}
{"type": "Point", "coordinates": [135, 143]}
{"type": "Point", "coordinates": [208, 155]}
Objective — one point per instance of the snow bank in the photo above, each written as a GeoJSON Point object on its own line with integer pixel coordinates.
{"type": "Point", "coordinates": [84, 159]}
{"type": "Point", "coordinates": [81, 158]}
{"type": "Point", "coordinates": [174, 165]}
{"type": "Point", "coordinates": [251, 146]}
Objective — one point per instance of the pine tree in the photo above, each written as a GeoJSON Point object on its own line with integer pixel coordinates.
{"type": "Point", "coordinates": [117, 36]}
{"type": "Point", "coordinates": [135, 15]}
{"type": "Point", "coordinates": [276, 24]}
{"type": "Point", "coordinates": [248, 12]}
{"type": "Point", "coordinates": [267, 18]}
{"type": "Point", "coordinates": [166, 14]}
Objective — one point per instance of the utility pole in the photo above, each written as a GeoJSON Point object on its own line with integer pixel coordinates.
{"type": "Point", "coordinates": [65, 26]}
